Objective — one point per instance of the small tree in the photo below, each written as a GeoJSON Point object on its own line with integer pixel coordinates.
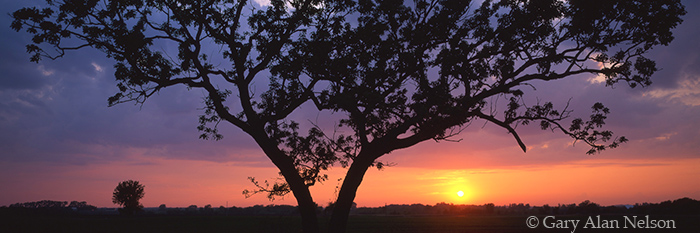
{"type": "Point", "coordinates": [127, 194]}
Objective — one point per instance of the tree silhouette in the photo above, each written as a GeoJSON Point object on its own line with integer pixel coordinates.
{"type": "Point", "coordinates": [400, 72]}
{"type": "Point", "coordinates": [127, 194]}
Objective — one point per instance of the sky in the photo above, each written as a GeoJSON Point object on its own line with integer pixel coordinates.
{"type": "Point", "coordinates": [60, 141]}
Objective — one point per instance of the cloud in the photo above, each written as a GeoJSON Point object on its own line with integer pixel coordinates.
{"type": "Point", "coordinates": [687, 91]}
{"type": "Point", "coordinates": [263, 2]}
{"type": "Point", "coordinates": [18, 73]}
{"type": "Point", "coordinates": [98, 68]}
{"type": "Point", "coordinates": [59, 113]}
{"type": "Point", "coordinates": [681, 56]}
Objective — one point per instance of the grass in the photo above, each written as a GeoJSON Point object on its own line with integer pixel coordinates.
{"type": "Point", "coordinates": [356, 224]}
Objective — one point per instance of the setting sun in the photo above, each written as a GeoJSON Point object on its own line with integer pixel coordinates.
{"type": "Point", "coordinates": [460, 193]}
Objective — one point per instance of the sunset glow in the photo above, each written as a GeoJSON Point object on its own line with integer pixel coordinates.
{"type": "Point", "coordinates": [183, 183]}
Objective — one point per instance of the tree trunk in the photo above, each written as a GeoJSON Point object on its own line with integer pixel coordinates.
{"type": "Point", "coordinates": [346, 195]}
{"type": "Point", "coordinates": [306, 204]}
{"type": "Point", "coordinates": [307, 209]}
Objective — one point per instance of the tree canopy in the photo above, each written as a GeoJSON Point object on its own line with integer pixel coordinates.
{"type": "Point", "coordinates": [128, 194]}
{"type": "Point", "coordinates": [400, 72]}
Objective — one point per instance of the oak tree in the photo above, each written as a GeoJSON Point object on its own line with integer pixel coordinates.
{"type": "Point", "coordinates": [399, 72]}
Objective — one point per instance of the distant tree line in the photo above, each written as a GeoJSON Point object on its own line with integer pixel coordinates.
{"type": "Point", "coordinates": [683, 206]}
{"type": "Point", "coordinates": [680, 206]}
{"type": "Point", "coordinates": [262, 210]}
{"type": "Point", "coordinates": [49, 207]}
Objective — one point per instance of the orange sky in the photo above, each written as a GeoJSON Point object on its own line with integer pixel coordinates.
{"type": "Point", "coordinates": [180, 183]}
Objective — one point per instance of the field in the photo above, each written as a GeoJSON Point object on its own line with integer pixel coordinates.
{"type": "Point", "coordinates": [364, 224]}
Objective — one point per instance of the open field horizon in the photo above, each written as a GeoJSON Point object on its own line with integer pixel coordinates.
{"type": "Point", "coordinates": [362, 206]}
{"type": "Point", "coordinates": [677, 216]}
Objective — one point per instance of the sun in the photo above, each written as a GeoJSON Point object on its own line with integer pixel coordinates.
{"type": "Point", "coordinates": [460, 193]}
